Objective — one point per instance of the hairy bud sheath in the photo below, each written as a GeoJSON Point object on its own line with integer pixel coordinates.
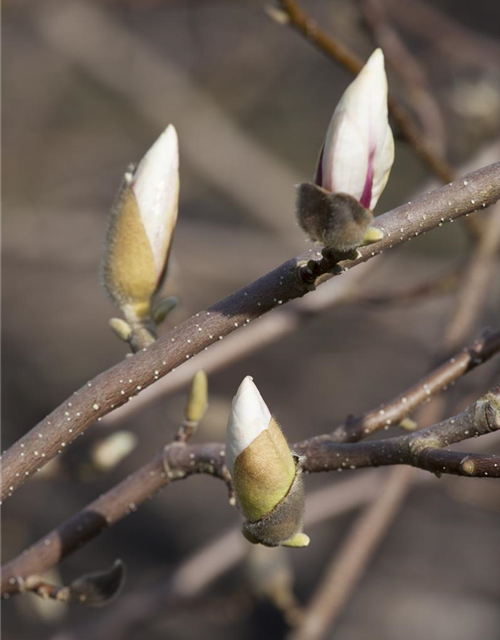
{"type": "Point", "coordinates": [141, 228]}
{"type": "Point", "coordinates": [266, 476]}
{"type": "Point", "coordinates": [353, 166]}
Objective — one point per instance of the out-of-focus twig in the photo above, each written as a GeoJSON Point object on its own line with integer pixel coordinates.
{"type": "Point", "coordinates": [393, 412]}
{"type": "Point", "coordinates": [476, 283]}
{"type": "Point", "coordinates": [212, 143]}
{"type": "Point", "coordinates": [425, 20]}
{"type": "Point", "coordinates": [443, 284]}
{"type": "Point", "coordinates": [410, 71]}
{"type": "Point", "coordinates": [203, 567]}
{"type": "Point", "coordinates": [351, 559]}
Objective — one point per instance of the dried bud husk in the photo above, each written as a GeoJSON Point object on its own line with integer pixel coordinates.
{"type": "Point", "coordinates": [337, 221]}
{"type": "Point", "coordinates": [266, 474]}
{"type": "Point", "coordinates": [121, 329]}
{"type": "Point", "coordinates": [97, 589]}
{"type": "Point", "coordinates": [163, 308]}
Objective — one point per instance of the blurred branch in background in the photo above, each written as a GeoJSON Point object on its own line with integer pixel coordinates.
{"type": "Point", "coordinates": [213, 144]}
{"type": "Point", "coordinates": [200, 570]}
{"type": "Point", "coordinates": [351, 559]}
{"type": "Point", "coordinates": [406, 66]}
{"type": "Point", "coordinates": [425, 20]}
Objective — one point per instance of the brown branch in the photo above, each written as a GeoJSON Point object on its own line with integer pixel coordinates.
{"type": "Point", "coordinates": [443, 284]}
{"type": "Point", "coordinates": [422, 449]}
{"type": "Point", "coordinates": [321, 453]}
{"type": "Point", "coordinates": [350, 560]}
{"type": "Point", "coordinates": [392, 413]}
{"type": "Point", "coordinates": [115, 386]}
{"type": "Point", "coordinates": [342, 54]}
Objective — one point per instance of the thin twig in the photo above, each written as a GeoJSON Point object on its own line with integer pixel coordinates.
{"type": "Point", "coordinates": [334, 49]}
{"type": "Point", "coordinates": [392, 413]}
{"type": "Point", "coordinates": [117, 385]}
{"type": "Point", "coordinates": [446, 34]}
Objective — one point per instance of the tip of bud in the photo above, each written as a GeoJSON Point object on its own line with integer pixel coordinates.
{"type": "Point", "coordinates": [156, 188]}
{"type": "Point", "coordinates": [249, 417]}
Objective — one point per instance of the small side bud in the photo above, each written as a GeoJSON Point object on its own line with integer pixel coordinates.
{"type": "Point", "coordinates": [97, 589]}
{"type": "Point", "coordinates": [337, 221]}
{"type": "Point", "coordinates": [197, 403]}
{"type": "Point", "coordinates": [278, 15]}
{"type": "Point", "coordinates": [266, 475]}
{"type": "Point", "coordinates": [121, 329]}
{"type": "Point", "coordinates": [408, 424]}
{"type": "Point", "coordinates": [372, 235]}
{"type": "Point", "coordinates": [163, 308]}
{"type": "Point", "coordinates": [108, 452]}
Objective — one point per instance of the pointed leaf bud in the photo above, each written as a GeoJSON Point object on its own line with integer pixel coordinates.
{"type": "Point", "coordinates": [358, 151]}
{"type": "Point", "coordinates": [267, 479]}
{"type": "Point", "coordinates": [141, 229]}
{"type": "Point", "coordinates": [197, 403]}
{"type": "Point", "coordinates": [121, 329]}
{"type": "Point", "coordinates": [97, 589]}
{"type": "Point", "coordinates": [163, 308]}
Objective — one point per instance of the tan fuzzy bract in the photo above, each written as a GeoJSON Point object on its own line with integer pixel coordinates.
{"type": "Point", "coordinates": [129, 273]}
{"type": "Point", "coordinates": [263, 473]}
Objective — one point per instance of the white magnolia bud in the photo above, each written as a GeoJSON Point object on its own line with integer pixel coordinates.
{"type": "Point", "coordinates": [155, 184]}
{"type": "Point", "coordinates": [266, 476]}
{"type": "Point", "coordinates": [358, 151]}
{"type": "Point", "coordinates": [141, 228]}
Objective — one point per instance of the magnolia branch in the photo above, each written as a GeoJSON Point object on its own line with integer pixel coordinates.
{"type": "Point", "coordinates": [119, 384]}
{"type": "Point", "coordinates": [178, 460]}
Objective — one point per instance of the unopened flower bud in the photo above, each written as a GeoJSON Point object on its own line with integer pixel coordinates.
{"type": "Point", "coordinates": [353, 166]}
{"type": "Point", "coordinates": [266, 475]}
{"type": "Point", "coordinates": [141, 229]}
{"type": "Point", "coordinates": [358, 151]}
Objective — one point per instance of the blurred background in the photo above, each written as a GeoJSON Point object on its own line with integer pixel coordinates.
{"type": "Point", "coordinates": [88, 86]}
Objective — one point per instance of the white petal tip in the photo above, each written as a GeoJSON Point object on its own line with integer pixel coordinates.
{"type": "Point", "coordinates": [249, 417]}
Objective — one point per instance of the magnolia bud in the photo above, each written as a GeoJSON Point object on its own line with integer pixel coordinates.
{"type": "Point", "coordinates": [141, 229]}
{"type": "Point", "coordinates": [353, 166]}
{"type": "Point", "coordinates": [358, 151]}
{"type": "Point", "coordinates": [266, 475]}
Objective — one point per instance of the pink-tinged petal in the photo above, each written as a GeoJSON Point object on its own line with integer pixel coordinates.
{"type": "Point", "coordinates": [359, 149]}
{"type": "Point", "coordinates": [366, 196]}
